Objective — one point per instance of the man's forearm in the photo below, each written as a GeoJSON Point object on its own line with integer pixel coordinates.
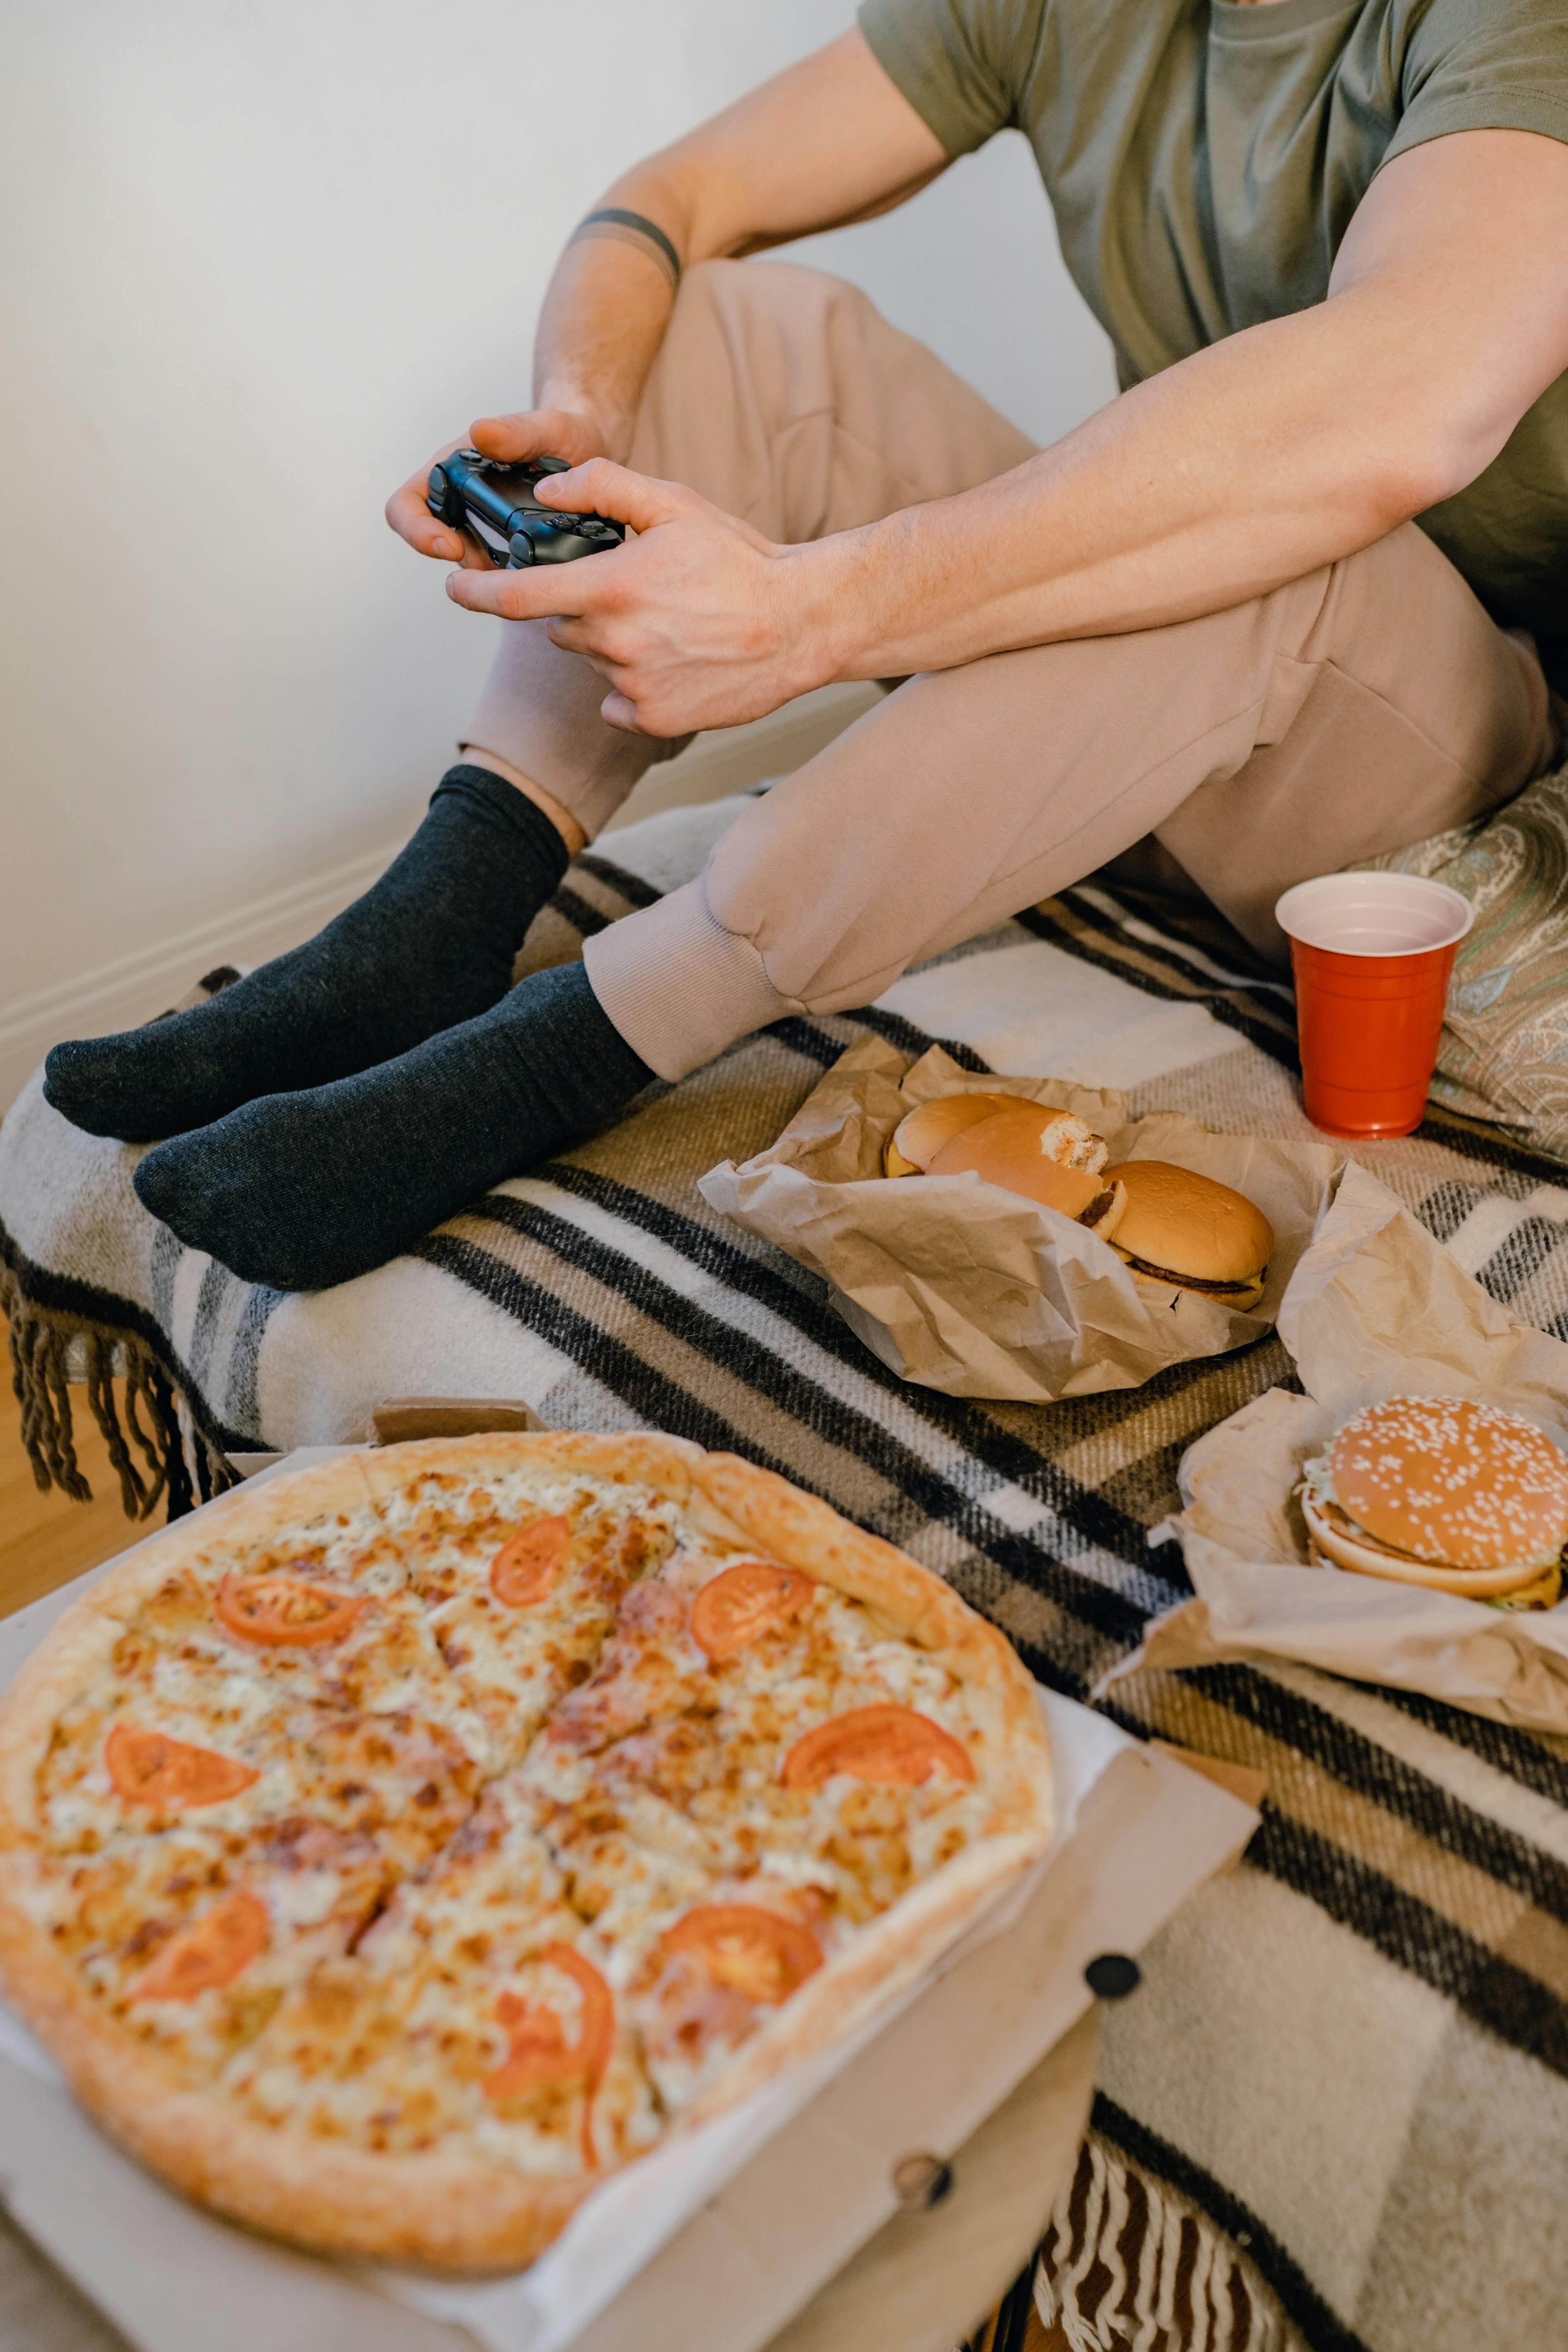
{"type": "Point", "coordinates": [1245, 466]}
{"type": "Point", "coordinates": [827, 140]}
{"type": "Point", "coordinates": [1255, 462]}
{"type": "Point", "coordinates": [604, 315]}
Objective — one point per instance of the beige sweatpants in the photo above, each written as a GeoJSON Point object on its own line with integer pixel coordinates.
{"type": "Point", "coordinates": [1356, 710]}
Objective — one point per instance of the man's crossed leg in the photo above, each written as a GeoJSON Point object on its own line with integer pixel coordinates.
{"type": "Point", "coordinates": [1361, 708]}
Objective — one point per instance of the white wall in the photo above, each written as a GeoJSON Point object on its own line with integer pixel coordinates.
{"type": "Point", "coordinates": [260, 258]}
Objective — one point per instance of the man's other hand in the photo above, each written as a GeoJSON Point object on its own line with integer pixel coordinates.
{"type": "Point", "coordinates": [698, 621]}
{"type": "Point", "coordinates": [530, 433]}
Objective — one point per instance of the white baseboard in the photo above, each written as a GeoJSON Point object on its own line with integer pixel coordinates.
{"type": "Point", "coordinates": [132, 988]}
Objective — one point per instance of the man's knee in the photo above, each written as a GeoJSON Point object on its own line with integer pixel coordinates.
{"type": "Point", "coordinates": [788, 291]}
{"type": "Point", "coordinates": [1401, 620]}
{"type": "Point", "coordinates": [766, 323]}
{"type": "Point", "coordinates": [741, 403]}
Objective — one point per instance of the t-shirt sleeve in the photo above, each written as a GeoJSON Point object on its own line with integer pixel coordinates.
{"type": "Point", "coordinates": [1484, 65]}
{"type": "Point", "coordinates": [959, 63]}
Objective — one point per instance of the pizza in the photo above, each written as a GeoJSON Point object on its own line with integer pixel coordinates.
{"type": "Point", "coordinates": [392, 1850]}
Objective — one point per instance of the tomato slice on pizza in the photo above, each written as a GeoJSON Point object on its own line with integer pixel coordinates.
{"type": "Point", "coordinates": [892, 1745]}
{"type": "Point", "coordinates": [540, 2053]}
{"type": "Point", "coordinates": [219, 1948]}
{"type": "Point", "coordinates": [286, 1609]}
{"type": "Point", "coordinates": [751, 1950]}
{"type": "Point", "coordinates": [527, 1569]}
{"type": "Point", "coordinates": [148, 1768]}
{"type": "Point", "coordinates": [742, 1603]}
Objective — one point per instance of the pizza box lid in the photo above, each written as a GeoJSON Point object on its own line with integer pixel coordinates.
{"type": "Point", "coordinates": [715, 2242]}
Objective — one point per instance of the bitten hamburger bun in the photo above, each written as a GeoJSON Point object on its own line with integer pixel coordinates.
{"type": "Point", "coordinates": [1445, 1493]}
{"type": "Point", "coordinates": [1187, 1230]}
{"type": "Point", "coordinates": [1045, 1155]}
{"type": "Point", "coordinates": [921, 1133]}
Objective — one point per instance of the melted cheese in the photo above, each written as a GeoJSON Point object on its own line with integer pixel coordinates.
{"type": "Point", "coordinates": [513, 1664]}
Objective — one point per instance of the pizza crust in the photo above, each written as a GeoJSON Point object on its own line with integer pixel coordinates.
{"type": "Point", "coordinates": [637, 1458]}
{"type": "Point", "coordinates": [445, 2211]}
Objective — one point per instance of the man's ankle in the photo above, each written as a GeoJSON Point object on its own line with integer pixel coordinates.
{"type": "Point", "coordinates": [565, 824]}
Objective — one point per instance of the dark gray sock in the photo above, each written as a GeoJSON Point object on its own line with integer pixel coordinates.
{"type": "Point", "coordinates": [301, 1191]}
{"type": "Point", "coordinates": [431, 944]}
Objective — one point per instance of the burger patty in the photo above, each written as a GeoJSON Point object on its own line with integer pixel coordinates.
{"type": "Point", "coordinates": [1184, 1281]}
{"type": "Point", "coordinates": [1097, 1208]}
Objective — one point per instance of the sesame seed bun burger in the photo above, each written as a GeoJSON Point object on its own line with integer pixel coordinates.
{"type": "Point", "coordinates": [1045, 1154]}
{"type": "Point", "coordinates": [1188, 1231]}
{"type": "Point", "coordinates": [1444, 1493]}
{"type": "Point", "coordinates": [921, 1133]}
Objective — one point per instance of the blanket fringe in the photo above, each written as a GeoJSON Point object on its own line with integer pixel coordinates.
{"type": "Point", "coordinates": [1128, 2266]}
{"type": "Point", "coordinates": [152, 1455]}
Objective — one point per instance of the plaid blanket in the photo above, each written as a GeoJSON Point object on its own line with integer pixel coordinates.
{"type": "Point", "coordinates": [1336, 2112]}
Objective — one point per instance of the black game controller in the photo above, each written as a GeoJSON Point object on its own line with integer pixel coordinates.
{"type": "Point", "coordinates": [495, 505]}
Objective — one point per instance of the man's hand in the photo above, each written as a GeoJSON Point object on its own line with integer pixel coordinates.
{"type": "Point", "coordinates": [533, 433]}
{"type": "Point", "coordinates": [699, 621]}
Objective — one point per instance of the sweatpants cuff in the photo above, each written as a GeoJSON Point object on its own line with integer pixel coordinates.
{"type": "Point", "coordinates": [678, 985]}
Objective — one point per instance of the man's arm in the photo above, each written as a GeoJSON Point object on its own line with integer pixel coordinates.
{"type": "Point", "coordinates": [829, 141]}
{"type": "Point", "coordinates": [1277, 450]}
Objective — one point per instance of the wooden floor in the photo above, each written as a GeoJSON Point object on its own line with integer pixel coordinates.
{"type": "Point", "coordinates": [45, 1539]}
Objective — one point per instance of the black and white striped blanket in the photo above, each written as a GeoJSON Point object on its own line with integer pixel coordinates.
{"type": "Point", "coordinates": [1337, 2112]}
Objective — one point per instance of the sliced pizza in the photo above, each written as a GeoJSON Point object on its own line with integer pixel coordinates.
{"type": "Point", "coordinates": [393, 1851]}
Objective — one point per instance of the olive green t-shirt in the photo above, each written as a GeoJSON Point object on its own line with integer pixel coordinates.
{"type": "Point", "coordinates": [1204, 158]}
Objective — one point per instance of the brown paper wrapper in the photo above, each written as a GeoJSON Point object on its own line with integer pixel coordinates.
{"type": "Point", "coordinates": [1376, 1308]}
{"type": "Point", "coordinates": [958, 1286]}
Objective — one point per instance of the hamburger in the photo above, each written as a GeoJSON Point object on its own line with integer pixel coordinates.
{"type": "Point", "coordinates": [1188, 1231]}
{"type": "Point", "coordinates": [1045, 1154]}
{"type": "Point", "coordinates": [1445, 1493]}
{"type": "Point", "coordinates": [921, 1133]}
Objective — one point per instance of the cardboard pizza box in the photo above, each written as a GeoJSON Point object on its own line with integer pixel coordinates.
{"type": "Point", "coordinates": [785, 2216]}
{"type": "Point", "coordinates": [398, 1419]}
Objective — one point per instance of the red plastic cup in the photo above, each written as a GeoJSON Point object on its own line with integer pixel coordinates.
{"type": "Point", "coordinates": [1371, 954]}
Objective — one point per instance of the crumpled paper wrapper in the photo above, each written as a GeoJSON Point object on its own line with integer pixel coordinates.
{"type": "Point", "coordinates": [958, 1286]}
{"type": "Point", "coordinates": [1376, 1308]}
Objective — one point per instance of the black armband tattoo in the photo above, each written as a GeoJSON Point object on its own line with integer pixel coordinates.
{"type": "Point", "coordinates": [632, 228]}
